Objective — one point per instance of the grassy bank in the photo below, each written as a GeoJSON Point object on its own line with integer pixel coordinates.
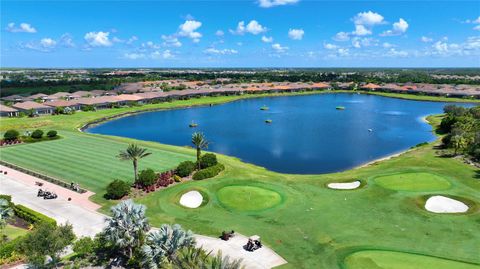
{"type": "Point", "coordinates": [310, 225]}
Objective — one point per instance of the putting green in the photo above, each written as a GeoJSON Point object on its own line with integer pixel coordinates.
{"type": "Point", "coordinates": [248, 198]}
{"type": "Point", "coordinates": [413, 182]}
{"type": "Point", "coordinates": [379, 259]}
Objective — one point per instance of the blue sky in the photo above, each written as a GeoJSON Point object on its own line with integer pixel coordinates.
{"type": "Point", "coordinates": [256, 33]}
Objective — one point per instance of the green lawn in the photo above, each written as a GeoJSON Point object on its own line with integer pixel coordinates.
{"type": "Point", "coordinates": [420, 181]}
{"type": "Point", "coordinates": [13, 232]}
{"type": "Point", "coordinates": [378, 259]}
{"type": "Point", "coordinates": [248, 198]}
{"type": "Point", "coordinates": [311, 227]}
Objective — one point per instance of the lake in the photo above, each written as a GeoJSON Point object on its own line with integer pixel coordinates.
{"type": "Point", "coordinates": [307, 135]}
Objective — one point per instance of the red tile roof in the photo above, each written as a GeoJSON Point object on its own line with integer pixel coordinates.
{"type": "Point", "coordinates": [30, 105]}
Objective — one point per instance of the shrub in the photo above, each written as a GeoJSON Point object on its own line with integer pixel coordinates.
{"type": "Point", "coordinates": [208, 172]}
{"type": "Point", "coordinates": [11, 135]}
{"type": "Point", "coordinates": [117, 189]}
{"type": "Point", "coordinates": [146, 178]}
{"type": "Point", "coordinates": [208, 160]}
{"type": "Point", "coordinates": [84, 246]}
{"type": "Point", "coordinates": [177, 178]}
{"type": "Point", "coordinates": [52, 133]}
{"type": "Point", "coordinates": [32, 216]}
{"type": "Point", "coordinates": [184, 169]}
{"type": "Point", "coordinates": [37, 134]}
{"type": "Point", "coordinates": [88, 108]}
{"type": "Point", "coordinates": [8, 249]}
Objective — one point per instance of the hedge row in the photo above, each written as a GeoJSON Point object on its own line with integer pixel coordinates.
{"type": "Point", "coordinates": [208, 172]}
{"type": "Point", "coordinates": [8, 248]}
{"type": "Point", "coordinates": [32, 216]}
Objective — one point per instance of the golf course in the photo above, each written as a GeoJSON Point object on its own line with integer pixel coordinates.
{"type": "Point", "coordinates": [380, 225]}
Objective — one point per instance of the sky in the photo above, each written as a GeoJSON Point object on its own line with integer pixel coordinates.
{"type": "Point", "coordinates": [246, 33]}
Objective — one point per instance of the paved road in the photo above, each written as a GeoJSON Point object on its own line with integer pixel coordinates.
{"type": "Point", "coordinates": [87, 222]}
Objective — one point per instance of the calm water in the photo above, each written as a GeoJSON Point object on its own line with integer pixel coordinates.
{"type": "Point", "coordinates": [307, 135]}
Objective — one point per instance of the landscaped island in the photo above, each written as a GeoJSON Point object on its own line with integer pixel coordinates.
{"type": "Point", "coordinates": [383, 222]}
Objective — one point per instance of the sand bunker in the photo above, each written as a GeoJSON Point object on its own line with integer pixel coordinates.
{"type": "Point", "coordinates": [442, 204]}
{"type": "Point", "coordinates": [344, 186]}
{"type": "Point", "coordinates": [191, 199]}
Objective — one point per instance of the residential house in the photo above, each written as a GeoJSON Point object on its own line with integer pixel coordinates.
{"type": "Point", "coordinates": [36, 108]}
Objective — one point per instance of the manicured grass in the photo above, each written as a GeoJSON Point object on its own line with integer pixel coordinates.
{"type": "Point", "coordinates": [377, 259]}
{"type": "Point", "coordinates": [313, 227]}
{"type": "Point", "coordinates": [413, 182]}
{"type": "Point", "coordinates": [87, 159]}
{"type": "Point", "coordinates": [13, 232]}
{"type": "Point", "coordinates": [248, 198]}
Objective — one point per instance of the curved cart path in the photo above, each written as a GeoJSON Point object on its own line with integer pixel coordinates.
{"type": "Point", "coordinates": [80, 212]}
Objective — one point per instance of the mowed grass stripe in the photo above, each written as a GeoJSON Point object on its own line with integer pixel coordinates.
{"type": "Point", "coordinates": [89, 160]}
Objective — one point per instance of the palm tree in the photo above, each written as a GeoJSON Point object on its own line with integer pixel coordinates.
{"type": "Point", "coordinates": [5, 212]}
{"type": "Point", "coordinates": [127, 227]}
{"type": "Point", "coordinates": [192, 257]}
{"type": "Point", "coordinates": [199, 141]}
{"type": "Point", "coordinates": [133, 153]}
{"type": "Point", "coordinates": [162, 245]}
{"type": "Point", "coordinates": [223, 262]}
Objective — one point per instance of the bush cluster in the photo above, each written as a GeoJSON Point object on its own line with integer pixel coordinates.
{"type": "Point", "coordinates": [184, 169]}
{"type": "Point", "coordinates": [208, 172]}
{"type": "Point", "coordinates": [11, 135]}
{"type": "Point", "coordinates": [32, 216]}
{"type": "Point", "coordinates": [146, 178]}
{"type": "Point", "coordinates": [208, 160]}
{"type": "Point", "coordinates": [52, 133]}
{"type": "Point", "coordinates": [37, 134]}
{"type": "Point", "coordinates": [117, 189]}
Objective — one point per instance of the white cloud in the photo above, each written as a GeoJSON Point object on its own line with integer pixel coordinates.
{"type": "Point", "coordinates": [23, 28]}
{"type": "Point", "coordinates": [279, 48]}
{"type": "Point", "coordinates": [171, 41]}
{"type": "Point", "coordinates": [474, 21]}
{"type": "Point", "coordinates": [341, 36]}
{"type": "Point", "coordinates": [329, 46]}
{"type": "Point", "coordinates": [48, 43]}
{"type": "Point", "coordinates": [343, 52]}
{"type": "Point", "coordinates": [266, 39]}
{"type": "Point", "coordinates": [399, 28]}
{"type": "Point", "coordinates": [426, 39]}
{"type": "Point", "coordinates": [66, 40]}
{"type": "Point", "coordinates": [134, 56]}
{"type": "Point", "coordinates": [361, 30]}
{"type": "Point", "coordinates": [166, 54]}
{"type": "Point", "coordinates": [150, 45]}
{"type": "Point", "coordinates": [189, 29]}
{"type": "Point", "coordinates": [273, 3]}
{"type": "Point", "coordinates": [368, 18]}
{"type": "Point", "coordinates": [296, 34]}
{"type": "Point", "coordinates": [397, 53]}
{"type": "Point", "coordinates": [131, 40]}
{"type": "Point", "coordinates": [219, 33]}
{"type": "Point", "coordinates": [387, 45]}
{"type": "Point", "coordinates": [220, 52]}
{"type": "Point", "coordinates": [477, 28]}
{"type": "Point", "coordinates": [253, 27]}
{"type": "Point", "coordinates": [98, 39]}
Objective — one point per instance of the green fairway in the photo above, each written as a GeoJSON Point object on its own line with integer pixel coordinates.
{"type": "Point", "coordinates": [420, 181]}
{"type": "Point", "coordinates": [13, 232]}
{"type": "Point", "coordinates": [308, 224]}
{"type": "Point", "coordinates": [248, 198]}
{"type": "Point", "coordinates": [378, 259]}
{"type": "Point", "coordinates": [86, 159]}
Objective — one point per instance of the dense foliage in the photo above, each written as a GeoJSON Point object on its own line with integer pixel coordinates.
{"type": "Point", "coordinates": [32, 216]}
{"type": "Point", "coordinates": [208, 172]}
{"type": "Point", "coordinates": [37, 134]}
{"type": "Point", "coordinates": [208, 160]}
{"type": "Point", "coordinates": [185, 168]}
{"type": "Point", "coordinates": [117, 189]}
{"type": "Point", "coordinates": [462, 128]}
{"type": "Point", "coordinates": [146, 178]}
{"type": "Point", "coordinates": [11, 135]}
{"type": "Point", "coordinates": [52, 133]}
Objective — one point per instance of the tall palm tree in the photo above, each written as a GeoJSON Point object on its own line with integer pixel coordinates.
{"type": "Point", "coordinates": [127, 227]}
{"type": "Point", "coordinates": [133, 153]}
{"type": "Point", "coordinates": [199, 141]}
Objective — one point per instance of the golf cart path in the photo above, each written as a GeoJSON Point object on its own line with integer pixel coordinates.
{"type": "Point", "coordinates": [88, 222]}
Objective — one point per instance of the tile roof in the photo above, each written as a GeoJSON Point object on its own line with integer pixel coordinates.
{"type": "Point", "coordinates": [5, 108]}
{"type": "Point", "coordinates": [30, 105]}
